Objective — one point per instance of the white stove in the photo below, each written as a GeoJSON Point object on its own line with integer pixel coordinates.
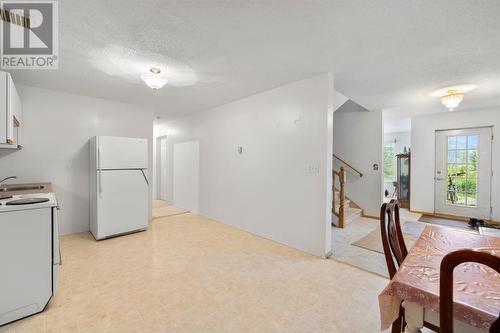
{"type": "Point", "coordinates": [29, 254]}
{"type": "Point", "coordinates": [7, 206]}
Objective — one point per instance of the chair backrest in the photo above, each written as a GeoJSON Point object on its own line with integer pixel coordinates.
{"type": "Point", "coordinates": [392, 236]}
{"type": "Point", "coordinates": [448, 264]}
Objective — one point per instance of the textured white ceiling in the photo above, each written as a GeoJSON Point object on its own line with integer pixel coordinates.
{"type": "Point", "coordinates": [384, 54]}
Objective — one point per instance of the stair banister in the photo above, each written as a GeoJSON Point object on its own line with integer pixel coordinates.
{"type": "Point", "coordinates": [342, 197]}
{"type": "Point", "coordinates": [342, 179]}
{"type": "Point", "coordinates": [348, 165]}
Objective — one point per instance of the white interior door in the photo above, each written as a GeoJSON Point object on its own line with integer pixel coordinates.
{"type": "Point", "coordinates": [463, 172]}
{"type": "Point", "coordinates": [162, 168]}
{"type": "Point", "coordinates": [186, 175]}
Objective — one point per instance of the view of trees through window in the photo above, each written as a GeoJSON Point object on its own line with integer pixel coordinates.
{"type": "Point", "coordinates": [389, 163]}
{"type": "Point", "coordinates": [462, 170]}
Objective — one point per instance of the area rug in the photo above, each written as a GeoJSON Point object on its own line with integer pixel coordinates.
{"type": "Point", "coordinates": [373, 241]}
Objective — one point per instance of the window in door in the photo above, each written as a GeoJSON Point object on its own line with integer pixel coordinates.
{"type": "Point", "coordinates": [462, 170]}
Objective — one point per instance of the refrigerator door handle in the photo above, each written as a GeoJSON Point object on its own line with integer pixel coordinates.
{"type": "Point", "coordinates": [145, 178]}
{"type": "Point", "coordinates": [99, 151]}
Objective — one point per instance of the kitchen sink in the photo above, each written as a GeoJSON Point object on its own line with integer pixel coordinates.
{"type": "Point", "coordinates": [21, 188]}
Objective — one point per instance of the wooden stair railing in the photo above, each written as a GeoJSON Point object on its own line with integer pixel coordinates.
{"type": "Point", "coordinates": [341, 174]}
{"type": "Point", "coordinates": [348, 165]}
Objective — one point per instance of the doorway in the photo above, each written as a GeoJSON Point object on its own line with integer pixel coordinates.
{"type": "Point", "coordinates": [463, 172]}
{"type": "Point", "coordinates": [162, 168]}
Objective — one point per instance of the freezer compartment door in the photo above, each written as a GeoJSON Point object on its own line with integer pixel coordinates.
{"type": "Point", "coordinates": [122, 153]}
{"type": "Point", "coordinates": [122, 202]}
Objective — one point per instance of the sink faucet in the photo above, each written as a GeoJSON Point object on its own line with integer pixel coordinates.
{"type": "Point", "coordinates": [10, 177]}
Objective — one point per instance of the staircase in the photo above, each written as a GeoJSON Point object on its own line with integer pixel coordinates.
{"type": "Point", "coordinates": [346, 210]}
{"type": "Point", "coordinates": [351, 210]}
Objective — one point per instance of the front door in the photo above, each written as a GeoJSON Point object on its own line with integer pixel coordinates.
{"type": "Point", "coordinates": [463, 172]}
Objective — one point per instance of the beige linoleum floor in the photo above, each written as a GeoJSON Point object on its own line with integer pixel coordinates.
{"type": "Point", "coordinates": [190, 274]}
{"type": "Point", "coordinates": [163, 209]}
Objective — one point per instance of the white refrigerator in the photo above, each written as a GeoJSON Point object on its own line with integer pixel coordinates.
{"type": "Point", "coordinates": [119, 186]}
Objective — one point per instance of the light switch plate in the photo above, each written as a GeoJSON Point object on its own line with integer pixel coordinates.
{"type": "Point", "coordinates": [314, 169]}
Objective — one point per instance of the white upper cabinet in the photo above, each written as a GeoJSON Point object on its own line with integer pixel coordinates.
{"type": "Point", "coordinates": [3, 107]}
{"type": "Point", "coordinates": [11, 114]}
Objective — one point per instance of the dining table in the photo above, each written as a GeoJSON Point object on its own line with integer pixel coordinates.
{"type": "Point", "coordinates": [415, 286]}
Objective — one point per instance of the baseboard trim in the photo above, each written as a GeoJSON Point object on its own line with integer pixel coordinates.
{"type": "Point", "coordinates": [370, 216]}
{"type": "Point", "coordinates": [445, 216]}
{"type": "Point", "coordinates": [448, 216]}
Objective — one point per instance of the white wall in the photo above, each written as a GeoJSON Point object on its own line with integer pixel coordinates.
{"type": "Point", "coordinates": [267, 190]}
{"type": "Point", "coordinates": [403, 139]}
{"type": "Point", "coordinates": [57, 127]}
{"type": "Point", "coordinates": [358, 139]}
{"type": "Point", "coordinates": [423, 152]}
{"type": "Point", "coordinates": [185, 180]}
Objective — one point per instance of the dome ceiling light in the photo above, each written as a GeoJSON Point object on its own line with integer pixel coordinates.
{"type": "Point", "coordinates": [154, 79]}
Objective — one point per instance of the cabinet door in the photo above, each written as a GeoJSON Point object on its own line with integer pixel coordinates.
{"type": "Point", "coordinates": [17, 108]}
{"type": "Point", "coordinates": [26, 261]}
{"type": "Point", "coordinates": [3, 107]}
{"type": "Point", "coordinates": [13, 112]}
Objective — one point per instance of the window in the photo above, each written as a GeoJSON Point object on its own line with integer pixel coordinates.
{"type": "Point", "coordinates": [461, 189]}
{"type": "Point", "coordinates": [389, 163]}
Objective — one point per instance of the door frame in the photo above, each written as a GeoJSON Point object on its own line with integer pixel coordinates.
{"type": "Point", "coordinates": [159, 179]}
{"type": "Point", "coordinates": [490, 189]}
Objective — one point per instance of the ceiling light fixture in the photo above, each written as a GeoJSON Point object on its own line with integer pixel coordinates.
{"type": "Point", "coordinates": [154, 79]}
{"type": "Point", "coordinates": [452, 99]}
{"type": "Point", "coordinates": [452, 96]}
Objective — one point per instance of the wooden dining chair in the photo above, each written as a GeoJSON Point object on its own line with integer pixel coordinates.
{"type": "Point", "coordinates": [395, 252]}
{"type": "Point", "coordinates": [448, 264]}
{"type": "Point", "coordinates": [392, 237]}
{"type": "Point", "coordinates": [394, 247]}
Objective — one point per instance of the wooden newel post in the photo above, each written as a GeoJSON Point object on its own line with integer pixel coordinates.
{"type": "Point", "coordinates": [342, 179]}
{"type": "Point", "coordinates": [333, 191]}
